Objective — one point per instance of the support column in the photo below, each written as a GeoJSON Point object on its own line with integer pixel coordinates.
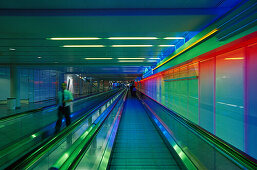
{"type": "Point", "coordinates": [90, 85]}
{"type": "Point", "coordinates": [98, 85]}
{"type": "Point", "coordinates": [80, 86]}
{"type": "Point", "coordinates": [15, 85]}
{"type": "Point", "coordinates": [102, 85]}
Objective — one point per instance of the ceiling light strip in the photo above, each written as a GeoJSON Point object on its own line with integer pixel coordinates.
{"type": "Point", "coordinates": [131, 58]}
{"type": "Point", "coordinates": [236, 58]}
{"type": "Point", "coordinates": [187, 48]}
{"type": "Point", "coordinates": [131, 45]}
{"type": "Point", "coordinates": [98, 58]}
{"type": "Point", "coordinates": [74, 38]}
{"type": "Point", "coordinates": [166, 45]}
{"type": "Point", "coordinates": [124, 61]}
{"type": "Point", "coordinates": [133, 38]}
{"type": "Point", "coordinates": [173, 38]}
{"type": "Point", "coordinates": [154, 58]}
{"type": "Point", "coordinates": [83, 46]}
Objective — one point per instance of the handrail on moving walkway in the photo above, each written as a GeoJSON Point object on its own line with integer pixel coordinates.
{"type": "Point", "coordinates": [227, 149]}
{"type": "Point", "coordinates": [30, 158]}
{"type": "Point", "coordinates": [71, 158]}
{"type": "Point", "coordinates": [47, 107]}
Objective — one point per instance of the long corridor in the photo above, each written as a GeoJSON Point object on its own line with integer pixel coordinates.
{"type": "Point", "coordinates": [190, 65]}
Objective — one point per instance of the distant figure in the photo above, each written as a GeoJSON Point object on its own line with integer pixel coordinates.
{"type": "Point", "coordinates": [131, 89]}
{"type": "Point", "coordinates": [64, 99]}
{"type": "Point", "coordinates": [134, 91]}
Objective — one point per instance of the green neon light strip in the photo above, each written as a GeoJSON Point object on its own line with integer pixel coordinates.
{"type": "Point", "coordinates": [183, 78]}
{"type": "Point", "coordinates": [187, 48]}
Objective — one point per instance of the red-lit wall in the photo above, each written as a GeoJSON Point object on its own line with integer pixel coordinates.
{"type": "Point", "coordinates": [217, 90]}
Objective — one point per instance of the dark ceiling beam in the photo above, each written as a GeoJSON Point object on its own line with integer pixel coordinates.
{"type": "Point", "coordinates": [113, 12]}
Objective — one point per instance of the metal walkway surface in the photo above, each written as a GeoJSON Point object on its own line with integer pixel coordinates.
{"type": "Point", "coordinates": [138, 144]}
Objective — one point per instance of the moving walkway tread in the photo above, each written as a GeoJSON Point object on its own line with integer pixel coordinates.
{"type": "Point", "coordinates": [138, 144]}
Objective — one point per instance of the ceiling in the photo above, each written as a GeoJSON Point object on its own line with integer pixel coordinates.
{"type": "Point", "coordinates": [25, 25]}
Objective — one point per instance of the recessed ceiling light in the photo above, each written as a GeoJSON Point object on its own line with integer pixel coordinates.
{"type": "Point", "coordinates": [132, 38]}
{"type": "Point", "coordinates": [12, 49]}
{"type": "Point", "coordinates": [98, 58]}
{"type": "Point", "coordinates": [131, 58]}
{"type": "Point", "coordinates": [173, 38]}
{"type": "Point", "coordinates": [83, 46]}
{"type": "Point", "coordinates": [166, 45]}
{"type": "Point", "coordinates": [75, 38]}
{"type": "Point", "coordinates": [39, 57]}
{"type": "Point", "coordinates": [132, 45]}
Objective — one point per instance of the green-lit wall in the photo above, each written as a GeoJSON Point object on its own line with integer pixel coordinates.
{"type": "Point", "coordinates": [212, 85]}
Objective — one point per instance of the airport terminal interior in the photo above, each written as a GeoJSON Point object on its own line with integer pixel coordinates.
{"type": "Point", "coordinates": [114, 84]}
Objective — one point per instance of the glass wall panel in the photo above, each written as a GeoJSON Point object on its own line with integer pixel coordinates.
{"type": "Point", "coordinates": [230, 97]}
{"type": "Point", "coordinates": [36, 86]}
{"type": "Point", "coordinates": [4, 82]}
{"type": "Point", "coordinates": [193, 93]}
{"type": "Point", "coordinates": [251, 133]}
{"type": "Point", "coordinates": [206, 74]}
{"type": "Point", "coordinates": [24, 84]}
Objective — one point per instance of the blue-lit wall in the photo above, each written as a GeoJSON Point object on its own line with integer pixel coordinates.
{"type": "Point", "coordinates": [35, 85]}
{"type": "Point", "coordinates": [4, 83]}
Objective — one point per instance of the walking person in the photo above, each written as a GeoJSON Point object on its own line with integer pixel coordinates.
{"type": "Point", "coordinates": [64, 99]}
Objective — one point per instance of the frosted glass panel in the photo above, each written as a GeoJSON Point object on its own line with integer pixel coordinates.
{"type": "Point", "coordinates": [193, 93]}
{"type": "Point", "coordinates": [251, 147]}
{"type": "Point", "coordinates": [207, 94]}
{"type": "Point", "coordinates": [4, 82]}
{"type": "Point", "coordinates": [230, 98]}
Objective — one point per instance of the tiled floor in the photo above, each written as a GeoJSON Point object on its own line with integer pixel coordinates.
{"type": "Point", "coordinates": [138, 144]}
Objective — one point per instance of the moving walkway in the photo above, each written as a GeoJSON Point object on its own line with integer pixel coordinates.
{"type": "Point", "coordinates": [131, 133]}
{"type": "Point", "coordinates": [21, 133]}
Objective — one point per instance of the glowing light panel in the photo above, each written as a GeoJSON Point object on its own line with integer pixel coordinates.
{"type": "Point", "coordinates": [83, 46]}
{"type": "Point", "coordinates": [98, 58]}
{"type": "Point", "coordinates": [131, 58]}
{"type": "Point", "coordinates": [132, 38]}
{"type": "Point", "coordinates": [173, 38]}
{"type": "Point", "coordinates": [131, 45]}
{"type": "Point", "coordinates": [166, 45]}
{"type": "Point", "coordinates": [75, 38]}
{"type": "Point", "coordinates": [235, 58]}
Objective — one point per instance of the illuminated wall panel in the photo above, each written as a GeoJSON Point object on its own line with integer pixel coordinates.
{"type": "Point", "coordinates": [220, 96]}
{"type": "Point", "coordinates": [4, 82]}
{"type": "Point", "coordinates": [251, 126]}
{"type": "Point", "coordinates": [230, 97]}
{"type": "Point", "coordinates": [193, 93]}
{"type": "Point", "coordinates": [183, 90]}
{"type": "Point", "coordinates": [206, 82]}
